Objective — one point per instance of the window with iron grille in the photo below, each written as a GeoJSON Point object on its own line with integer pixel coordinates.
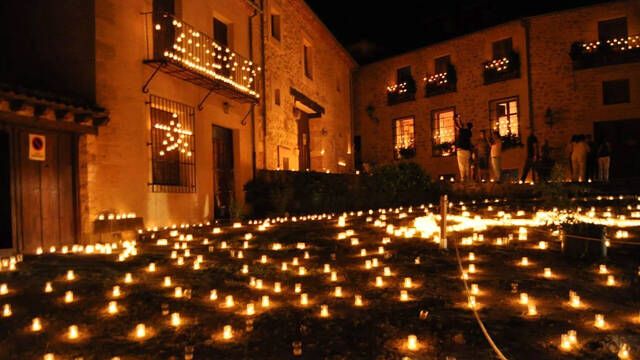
{"type": "Point", "coordinates": [404, 138]}
{"type": "Point", "coordinates": [505, 117]}
{"type": "Point", "coordinates": [443, 132]}
{"type": "Point", "coordinates": [172, 146]}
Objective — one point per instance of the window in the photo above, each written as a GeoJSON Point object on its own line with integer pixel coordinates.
{"type": "Point", "coordinates": [308, 58]}
{"type": "Point", "coordinates": [443, 132]}
{"type": "Point", "coordinates": [172, 146]}
{"type": "Point", "coordinates": [277, 97]}
{"type": "Point", "coordinates": [442, 64]}
{"type": "Point", "coordinates": [504, 117]}
{"type": "Point", "coordinates": [275, 26]}
{"type": "Point", "coordinates": [612, 29]}
{"type": "Point", "coordinates": [404, 138]}
{"type": "Point", "coordinates": [220, 32]}
{"type": "Point", "coordinates": [403, 75]}
{"type": "Point", "coordinates": [502, 48]}
{"type": "Point", "coordinates": [615, 92]}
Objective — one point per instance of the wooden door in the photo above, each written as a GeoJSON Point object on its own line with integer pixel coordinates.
{"type": "Point", "coordinates": [223, 177]}
{"type": "Point", "coordinates": [625, 144]}
{"type": "Point", "coordinates": [304, 142]}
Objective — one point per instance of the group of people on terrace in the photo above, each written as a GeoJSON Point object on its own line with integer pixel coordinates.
{"type": "Point", "coordinates": [483, 161]}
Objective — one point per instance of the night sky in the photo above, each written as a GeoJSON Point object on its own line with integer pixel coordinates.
{"type": "Point", "coordinates": [373, 30]}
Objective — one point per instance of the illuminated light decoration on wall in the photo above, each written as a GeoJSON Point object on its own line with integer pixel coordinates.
{"type": "Point", "coordinates": [201, 54]}
{"type": "Point", "coordinates": [621, 44]}
{"type": "Point", "coordinates": [397, 88]}
{"type": "Point", "coordinates": [177, 138]}
{"type": "Point", "coordinates": [439, 79]}
{"type": "Point", "coordinates": [498, 64]}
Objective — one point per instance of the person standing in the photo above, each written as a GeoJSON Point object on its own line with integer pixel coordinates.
{"type": "Point", "coordinates": [579, 152]}
{"type": "Point", "coordinates": [463, 148]}
{"type": "Point", "coordinates": [604, 160]}
{"type": "Point", "coordinates": [592, 158]}
{"type": "Point", "coordinates": [533, 155]}
{"type": "Point", "coordinates": [483, 157]}
{"type": "Point", "coordinates": [496, 157]}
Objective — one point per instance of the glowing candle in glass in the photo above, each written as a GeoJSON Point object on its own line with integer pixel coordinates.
{"type": "Point", "coordinates": [295, 262]}
{"type": "Point", "coordinates": [4, 289]}
{"type": "Point", "coordinates": [542, 245]}
{"type": "Point", "coordinates": [68, 297]}
{"type": "Point", "coordinates": [327, 268]}
{"type": "Point", "coordinates": [71, 275]}
{"type": "Point", "coordinates": [407, 282]}
{"type": "Point", "coordinates": [338, 291]}
{"type": "Point", "coordinates": [532, 310]}
{"type": "Point", "coordinates": [48, 287]}
{"type": "Point", "coordinates": [387, 271]}
{"type": "Point", "coordinates": [611, 280]}
{"type": "Point", "coordinates": [227, 332]}
{"type": "Point", "coordinates": [73, 332]}
{"type": "Point", "coordinates": [116, 292]}
{"type": "Point", "coordinates": [297, 288]}
{"type": "Point", "coordinates": [141, 331]}
{"type": "Point", "coordinates": [112, 308]}
{"type": "Point", "coordinates": [175, 319]}
{"type": "Point", "coordinates": [404, 296]}
{"type": "Point", "coordinates": [547, 273]}
{"type": "Point", "coordinates": [277, 287]}
{"type": "Point", "coordinates": [177, 292]}
{"type": "Point", "coordinates": [265, 301]}
{"type": "Point", "coordinates": [228, 301]}
{"type": "Point", "coordinates": [573, 337]}
{"type": "Point", "coordinates": [128, 278]}
{"type": "Point", "coordinates": [379, 282]}
{"type": "Point", "coordinates": [599, 321]}
{"type": "Point", "coordinates": [412, 342]}
{"type": "Point", "coordinates": [524, 298]}
{"type": "Point", "coordinates": [250, 309]}
{"type": "Point", "coordinates": [258, 283]}
{"type": "Point", "coordinates": [324, 310]}
{"type": "Point", "coordinates": [213, 295]}
{"type": "Point", "coordinates": [472, 256]}
{"type": "Point", "coordinates": [475, 290]}
{"type": "Point", "coordinates": [304, 299]}
{"type": "Point", "coordinates": [472, 301]}
{"type": "Point", "coordinates": [603, 269]}
{"type": "Point", "coordinates": [565, 343]}
{"type": "Point", "coordinates": [357, 300]}
{"type": "Point", "coordinates": [152, 267]}
{"type": "Point", "coordinates": [36, 325]}
{"type": "Point", "coordinates": [524, 261]}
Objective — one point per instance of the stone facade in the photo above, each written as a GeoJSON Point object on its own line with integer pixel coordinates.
{"type": "Point", "coordinates": [574, 96]}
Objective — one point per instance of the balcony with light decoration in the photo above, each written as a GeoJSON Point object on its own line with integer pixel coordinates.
{"type": "Point", "coordinates": [615, 51]}
{"type": "Point", "coordinates": [441, 83]}
{"type": "Point", "coordinates": [401, 92]}
{"type": "Point", "coordinates": [502, 69]}
{"type": "Point", "coordinates": [180, 50]}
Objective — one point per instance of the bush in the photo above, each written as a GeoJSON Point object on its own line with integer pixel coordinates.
{"type": "Point", "coordinates": [280, 192]}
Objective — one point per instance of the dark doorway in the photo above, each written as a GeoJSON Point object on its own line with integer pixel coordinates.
{"type": "Point", "coordinates": [223, 180]}
{"type": "Point", "coordinates": [6, 238]}
{"type": "Point", "coordinates": [625, 144]}
{"type": "Point", "coordinates": [304, 141]}
{"type": "Point", "coordinates": [357, 150]}
{"type": "Point", "coordinates": [163, 12]}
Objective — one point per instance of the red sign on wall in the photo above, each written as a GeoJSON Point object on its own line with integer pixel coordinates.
{"type": "Point", "coordinates": [37, 147]}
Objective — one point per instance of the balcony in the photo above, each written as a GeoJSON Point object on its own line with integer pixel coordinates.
{"type": "Point", "coordinates": [442, 83]}
{"type": "Point", "coordinates": [503, 69]}
{"type": "Point", "coordinates": [587, 55]}
{"type": "Point", "coordinates": [401, 92]}
{"type": "Point", "coordinates": [180, 50]}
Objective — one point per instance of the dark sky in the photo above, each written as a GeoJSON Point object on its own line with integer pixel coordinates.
{"type": "Point", "coordinates": [375, 29]}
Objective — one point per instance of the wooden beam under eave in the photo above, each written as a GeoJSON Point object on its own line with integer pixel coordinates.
{"type": "Point", "coordinates": [36, 123]}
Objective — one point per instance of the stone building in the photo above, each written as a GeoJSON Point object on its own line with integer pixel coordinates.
{"type": "Point", "coordinates": [157, 112]}
{"type": "Point", "coordinates": [544, 74]}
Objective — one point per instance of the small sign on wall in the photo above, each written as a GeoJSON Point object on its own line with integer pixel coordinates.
{"type": "Point", "coordinates": [37, 147]}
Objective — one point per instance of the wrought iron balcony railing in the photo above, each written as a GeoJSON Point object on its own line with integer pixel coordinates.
{"type": "Point", "coordinates": [601, 53]}
{"type": "Point", "coordinates": [401, 92]}
{"type": "Point", "coordinates": [442, 83]}
{"type": "Point", "coordinates": [503, 69]}
{"type": "Point", "coordinates": [180, 50]}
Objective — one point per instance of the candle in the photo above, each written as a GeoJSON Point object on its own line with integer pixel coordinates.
{"type": "Point", "coordinates": [228, 300]}
{"type": "Point", "coordinates": [381, 250]}
{"type": "Point", "coordinates": [297, 288]}
{"type": "Point", "coordinates": [128, 279]}
{"type": "Point", "coordinates": [227, 332]}
{"type": "Point", "coordinates": [565, 343]}
{"type": "Point", "coordinates": [542, 245]}
{"type": "Point", "coordinates": [531, 310]}
{"type": "Point", "coordinates": [575, 301]}
{"type": "Point", "coordinates": [265, 301]}
{"type": "Point", "coordinates": [167, 281]}
{"type": "Point", "coordinates": [363, 252]}
{"type": "Point", "coordinates": [141, 331]}
{"type": "Point", "coordinates": [472, 268]}
{"type": "Point", "coordinates": [112, 308]}
{"type": "Point", "coordinates": [327, 268]}
{"type": "Point", "coordinates": [36, 325]}
{"type": "Point", "coordinates": [465, 275]}
{"type": "Point", "coordinates": [387, 271]}
{"type": "Point", "coordinates": [284, 266]}
{"type": "Point", "coordinates": [599, 321]}
{"type": "Point", "coordinates": [611, 281]}
{"type": "Point", "coordinates": [263, 259]}
{"type": "Point", "coordinates": [324, 310]}
{"type": "Point", "coordinates": [524, 298]}
{"type": "Point", "coordinates": [412, 342]}
{"type": "Point", "coordinates": [4, 289]}
{"type": "Point", "coordinates": [116, 291]}
{"type": "Point", "coordinates": [357, 300]}
{"type": "Point", "coordinates": [472, 256]}
{"type": "Point", "coordinates": [177, 292]}
{"type": "Point", "coordinates": [367, 264]}
{"type": "Point", "coordinates": [277, 287]}
{"type": "Point", "coordinates": [73, 332]}
{"type": "Point", "coordinates": [250, 309]}
{"type": "Point", "coordinates": [374, 262]}
{"type": "Point", "coordinates": [334, 276]}
{"type": "Point", "coordinates": [304, 299]}
{"type": "Point", "coordinates": [404, 296]}
{"type": "Point", "coordinates": [338, 291]}
{"type": "Point", "coordinates": [71, 275]}
{"type": "Point", "coordinates": [407, 282]}
{"type": "Point", "coordinates": [603, 269]}
{"type": "Point", "coordinates": [524, 261]}
{"type": "Point", "coordinates": [623, 353]}
{"type": "Point", "coordinates": [213, 295]}
{"type": "Point", "coordinates": [259, 284]}
{"type": "Point", "coordinates": [48, 287]}
{"type": "Point", "coordinates": [175, 319]}
{"type": "Point", "coordinates": [379, 282]}
{"type": "Point", "coordinates": [152, 267]}
{"type": "Point", "coordinates": [180, 261]}
{"type": "Point", "coordinates": [573, 337]}
{"type": "Point", "coordinates": [475, 290]}
{"type": "Point", "coordinates": [68, 297]}
{"type": "Point", "coordinates": [240, 254]}
{"type": "Point", "coordinates": [294, 262]}
{"type": "Point", "coordinates": [196, 265]}
{"type": "Point", "coordinates": [472, 302]}
{"type": "Point", "coordinates": [306, 255]}
{"type": "Point", "coordinates": [547, 273]}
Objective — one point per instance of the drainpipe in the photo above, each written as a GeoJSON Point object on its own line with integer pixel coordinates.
{"type": "Point", "coordinates": [527, 40]}
{"type": "Point", "coordinates": [253, 112]}
{"type": "Point", "coordinates": [264, 88]}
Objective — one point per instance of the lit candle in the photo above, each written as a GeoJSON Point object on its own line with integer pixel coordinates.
{"type": "Point", "coordinates": [472, 256]}
{"type": "Point", "coordinates": [334, 276]}
{"type": "Point", "coordinates": [324, 310]}
{"type": "Point", "coordinates": [611, 281]}
{"type": "Point", "coordinates": [213, 295]}
{"type": "Point", "coordinates": [284, 266]}
{"type": "Point", "coordinates": [68, 297]}
{"type": "Point", "coordinates": [380, 250]}
{"type": "Point", "coordinates": [228, 300]}
{"type": "Point", "coordinates": [250, 309]}
{"type": "Point", "coordinates": [547, 273]}
{"type": "Point", "coordinates": [542, 245]}
{"type": "Point", "coordinates": [367, 264]}
{"type": "Point", "coordinates": [294, 262]}
{"type": "Point", "coordinates": [73, 332]}
{"type": "Point", "coordinates": [387, 271]}
{"type": "Point", "coordinates": [412, 342]}
{"type": "Point", "coordinates": [379, 282]}
{"type": "Point", "coordinates": [531, 310]}
{"type": "Point", "coordinates": [177, 292]}
{"type": "Point", "coordinates": [603, 269]}
{"type": "Point", "coordinates": [404, 296]}
{"type": "Point", "coordinates": [227, 332]}
{"type": "Point", "coordinates": [327, 268]}
{"type": "Point", "coordinates": [524, 298]}
{"type": "Point", "coordinates": [472, 302]}
{"type": "Point", "coordinates": [48, 287]}
{"type": "Point", "coordinates": [363, 252]}
{"type": "Point", "coordinates": [116, 291]}
{"type": "Point", "coordinates": [259, 284]}
{"type": "Point", "coordinates": [263, 259]}
{"type": "Point", "coordinates": [128, 279]}
{"type": "Point", "coordinates": [175, 319]}
{"type": "Point", "coordinates": [338, 291]}
{"type": "Point", "coordinates": [302, 271]}
{"type": "Point", "coordinates": [297, 288]}
{"type": "Point", "coordinates": [623, 353]}
{"type": "Point", "coordinates": [374, 262]}
{"type": "Point", "coordinates": [265, 301]}
{"type": "Point", "coordinates": [599, 321]}
{"type": "Point", "coordinates": [472, 268]}
{"type": "Point", "coordinates": [407, 282]}
{"type": "Point", "coordinates": [4, 289]}
{"type": "Point", "coordinates": [141, 331]}
{"type": "Point", "coordinates": [565, 343]}
{"type": "Point", "coordinates": [465, 275]}
{"type": "Point", "coordinates": [167, 281]}
{"type": "Point", "coordinates": [357, 300]}
{"type": "Point", "coordinates": [524, 261]}
{"type": "Point", "coordinates": [36, 326]}
{"type": "Point", "coordinates": [475, 290]}
{"type": "Point", "coordinates": [71, 275]}
{"type": "Point", "coordinates": [112, 308]}
{"type": "Point", "coordinates": [152, 267]}
{"type": "Point", "coordinates": [573, 337]}
{"type": "Point", "coordinates": [304, 299]}
{"type": "Point", "coordinates": [575, 301]}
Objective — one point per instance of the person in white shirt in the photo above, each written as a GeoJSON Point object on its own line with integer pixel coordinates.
{"type": "Point", "coordinates": [496, 157]}
{"type": "Point", "coordinates": [579, 152]}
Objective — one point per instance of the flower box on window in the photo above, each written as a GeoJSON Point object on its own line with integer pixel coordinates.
{"type": "Point", "coordinates": [601, 53]}
{"type": "Point", "coordinates": [503, 69]}
{"type": "Point", "coordinates": [406, 152]}
{"type": "Point", "coordinates": [401, 92]}
{"type": "Point", "coordinates": [443, 149]}
{"type": "Point", "coordinates": [511, 141]}
{"type": "Point", "coordinates": [442, 83]}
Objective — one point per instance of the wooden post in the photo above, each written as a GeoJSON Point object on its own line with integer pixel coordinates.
{"type": "Point", "coordinates": [444, 204]}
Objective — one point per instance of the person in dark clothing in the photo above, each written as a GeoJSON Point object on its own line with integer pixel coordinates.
{"type": "Point", "coordinates": [533, 155]}
{"type": "Point", "coordinates": [604, 160]}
